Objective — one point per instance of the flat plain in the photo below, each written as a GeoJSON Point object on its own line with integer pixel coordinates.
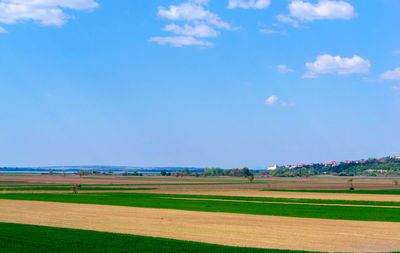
{"type": "Point", "coordinates": [308, 214]}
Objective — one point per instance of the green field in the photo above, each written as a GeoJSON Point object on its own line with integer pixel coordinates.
{"type": "Point", "coordinates": [147, 200]}
{"type": "Point", "coordinates": [32, 239]}
{"type": "Point", "coordinates": [390, 191]}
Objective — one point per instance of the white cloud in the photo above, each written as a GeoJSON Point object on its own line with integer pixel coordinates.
{"type": "Point", "coordinates": [2, 30]}
{"type": "Point", "coordinates": [46, 12]}
{"type": "Point", "coordinates": [391, 74]}
{"type": "Point", "coordinates": [271, 100]}
{"type": "Point", "coordinates": [192, 11]}
{"type": "Point", "coordinates": [328, 64]}
{"type": "Point", "coordinates": [324, 9]}
{"type": "Point", "coordinates": [396, 87]}
{"type": "Point", "coordinates": [396, 51]}
{"type": "Point", "coordinates": [284, 69]}
{"type": "Point", "coordinates": [179, 41]}
{"type": "Point", "coordinates": [249, 4]}
{"type": "Point", "coordinates": [199, 23]}
{"type": "Point", "coordinates": [198, 30]}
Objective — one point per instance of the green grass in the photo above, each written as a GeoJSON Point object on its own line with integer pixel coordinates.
{"type": "Point", "coordinates": [148, 200]}
{"type": "Point", "coordinates": [32, 239]}
{"type": "Point", "coordinates": [391, 191]}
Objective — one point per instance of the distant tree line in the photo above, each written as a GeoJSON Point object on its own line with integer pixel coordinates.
{"type": "Point", "coordinates": [106, 172]}
{"type": "Point", "coordinates": [244, 172]}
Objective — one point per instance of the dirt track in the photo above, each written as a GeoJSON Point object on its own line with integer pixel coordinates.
{"type": "Point", "coordinates": [221, 228]}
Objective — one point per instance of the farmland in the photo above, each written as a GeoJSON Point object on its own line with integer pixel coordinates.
{"type": "Point", "coordinates": [204, 213]}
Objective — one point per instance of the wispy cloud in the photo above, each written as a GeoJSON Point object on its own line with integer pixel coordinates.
{"type": "Point", "coordinates": [396, 51]}
{"type": "Point", "coordinates": [286, 19]}
{"type": "Point", "coordinates": [283, 69]}
{"type": "Point", "coordinates": [45, 12]}
{"type": "Point", "coordinates": [197, 30]}
{"type": "Point", "coordinates": [249, 4]}
{"type": "Point", "coordinates": [391, 74]}
{"type": "Point", "coordinates": [328, 64]}
{"type": "Point", "coordinates": [179, 41]}
{"type": "Point", "coordinates": [273, 29]}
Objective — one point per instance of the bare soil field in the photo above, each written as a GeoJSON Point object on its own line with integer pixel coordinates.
{"type": "Point", "coordinates": [220, 228]}
{"type": "Point", "coordinates": [74, 179]}
{"type": "Point", "coordinates": [213, 186]}
{"type": "Point", "coordinates": [332, 183]}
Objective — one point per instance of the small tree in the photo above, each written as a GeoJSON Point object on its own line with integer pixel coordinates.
{"type": "Point", "coordinates": [251, 178]}
{"type": "Point", "coordinates": [245, 172]}
{"type": "Point", "coordinates": [186, 172]}
{"type": "Point", "coordinates": [396, 182]}
{"type": "Point", "coordinates": [163, 173]}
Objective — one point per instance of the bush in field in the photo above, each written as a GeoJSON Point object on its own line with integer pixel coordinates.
{"type": "Point", "coordinates": [396, 182]}
{"type": "Point", "coordinates": [251, 178]}
{"type": "Point", "coordinates": [351, 186]}
{"type": "Point", "coordinates": [75, 188]}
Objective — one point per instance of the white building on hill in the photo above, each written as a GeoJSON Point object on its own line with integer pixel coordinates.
{"type": "Point", "coordinates": [273, 167]}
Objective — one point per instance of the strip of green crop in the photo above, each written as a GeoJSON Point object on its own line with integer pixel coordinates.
{"type": "Point", "coordinates": [361, 213]}
{"type": "Point", "coordinates": [390, 191]}
{"type": "Point", "coordinates": [69, 188]}
{"type": "Point", "coordinates": [31, 239]}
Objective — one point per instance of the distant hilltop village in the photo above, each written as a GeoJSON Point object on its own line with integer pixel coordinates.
{"type": "Point", "coordinates": [333, 163]}
{"type": "Point", "coordinates": [389, 165]}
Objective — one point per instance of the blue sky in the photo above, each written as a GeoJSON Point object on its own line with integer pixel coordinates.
{"type": "Point", "coordinates": [198, 83]}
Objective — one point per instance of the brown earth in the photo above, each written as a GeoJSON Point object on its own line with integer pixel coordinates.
{"type": "Point", "coordinates": [220, 228]}
{"type": "Point", "coordinates": [334, 183]}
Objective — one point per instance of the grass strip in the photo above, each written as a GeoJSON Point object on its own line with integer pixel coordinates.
{"type": "Point", "coordinates": [361, 213]}
{"type": "Point", "coordinates": [389, 191]}
{"type": "Point", "coordinates": [31, 238]}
